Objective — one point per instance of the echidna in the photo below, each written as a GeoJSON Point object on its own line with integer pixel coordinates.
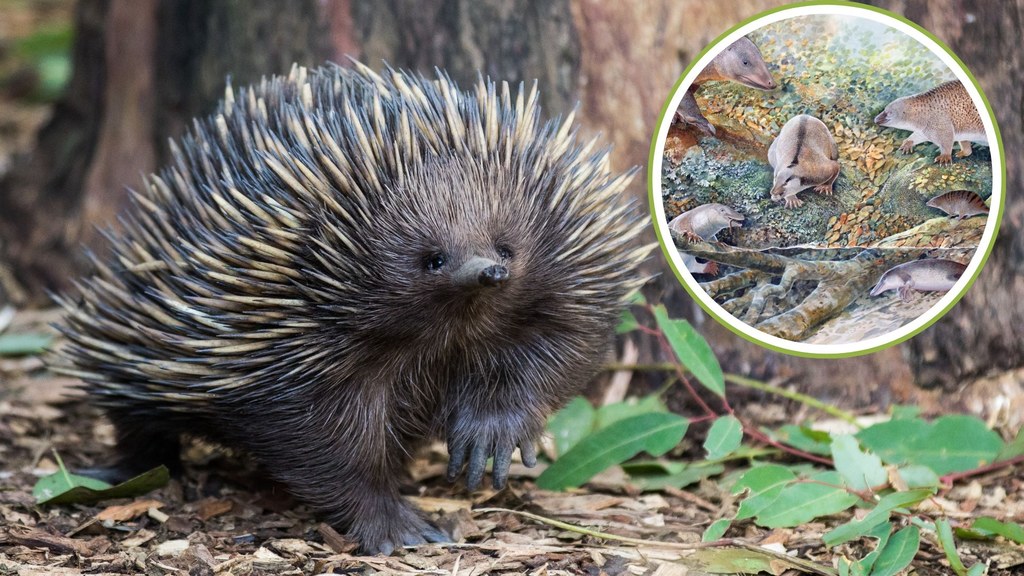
{"type": "Point", "coordinates": [339, 265]}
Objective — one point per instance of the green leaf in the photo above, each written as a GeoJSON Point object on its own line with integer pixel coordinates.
{"type": "Point", "coordinates": [1013, 448]}
{"type": "Point", "coordinates": [627, 323]}
{"type": "Point", "coordinates": [945, 534]}
{"type": "Point", "coordinates": [804, 438]}
{"type": "Point", "coordinates": [905, 412]}
{"type": "Point", "coordinates": [571, 424]}
{"type": "Point", "coordinates": [689, 475]}
{"type": "Point", "coordinates": [801, 502]}
{"type": "Point", "coordinates": [724, 437]}
{"type": "Point", "coordinates": [24, 344]}
{"type": "Point", "coordinates": [75, 490]}
{"type": "Point", "coordinates": [891, 440]}
{"type": "Point", "coordinates": [612, 413]}
{"type": "Point", "coordinates": [754, 561]}
{"type": "Point", "coordinates": [976, 570]}
{"type": "Point", "coordinates": [860, 470]}
{"type": "Point", "coordinates": [716, 530]}
{"type": "Point", "coordinates": [1009, 530]}
{"type": "Point", "coordinates": [882, 532]}
{"type": "Point", "coordinates": [692, 351]}
{"type": "Point", "coordinates": [764, 483]}
{"type": "Point", "coordinates": [654, 433]}
{"type": "Point", "coordinates": [918, 476]}
{"type": "Point", "coordinates": [879, 515]}
{"type": "Point", "coordinates": [653, 467]}
{"type": "Point", "coordinates": [950, 444]}
{"type": "Point", "coordinates": [898, 552]}
{"type": "Point", "coordinates": [60, 482]}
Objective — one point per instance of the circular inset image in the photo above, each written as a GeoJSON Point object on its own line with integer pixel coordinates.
{"type": "Point", "coordinates": [827, 179]}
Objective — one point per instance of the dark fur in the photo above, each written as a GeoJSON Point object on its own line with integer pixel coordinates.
{"type": "Point", "coordinates": [282, 299]}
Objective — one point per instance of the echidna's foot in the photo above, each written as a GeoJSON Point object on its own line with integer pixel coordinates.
{"type": "Point", "coordinates": [711, 268]}
{"type": "Point", "coordinates": [907, 147]}
{"type": "Point", "coordinates": [944, 159]}
{"type": "Point", "coordinates": [140, 449]}
{"type": "Point", "coordinates": [793, 202]}
{"type": "Point", "coordinates": [381, 531]}
{"type": "Point", "coordinates": [825, 189]}
{"type": "Point", "coordinates": [472, 441]}
{"type": "Point", "coordinates": [963, 153]}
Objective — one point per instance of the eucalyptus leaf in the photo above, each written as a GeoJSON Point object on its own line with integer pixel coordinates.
{"type": "Point", "coordinates": [571, 424]}
{"type": "Point", "coordinates": [654, 433]}
{"type": "Point", "coordinates": [724, 437]}
{"type": "Point", "coordinates": [72, 489]}
{"type": "Point", "coordinates": [764, 483]}
{"type": "Point", "coordinates": [878, 515]}
{"type": "Point", "coordinates": [612, 413]}
{"type": "Point", "coordinates": [716, 530]}
{"type": "Point", "coordinates": [898, 553]}
{"type": "Point", "coordinates": [861, 470]}
{"type": "Point", "coordinates": [1009, 530]}
{"type": "Point", "coordinates": [692, 350]}
{"type": "Point", "coordinates": [803, 501]}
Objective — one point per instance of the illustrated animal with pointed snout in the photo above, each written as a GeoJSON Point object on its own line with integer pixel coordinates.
{"type": "Point", "coordinates": [942, 115]}
{"type": "Point", "coordinates": [702, 224]}
{"type": "Point", "coordinates": [959, 204]}
{"type": "Point", "coordinates": [928, 275]}
{"type": "Point", "coordinates": [804, 155]}
{"type": "Point", "coordinates": [741, 62]}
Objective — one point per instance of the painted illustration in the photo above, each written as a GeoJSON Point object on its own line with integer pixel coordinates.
{"type": "Point", "coordinates": [818, 198]}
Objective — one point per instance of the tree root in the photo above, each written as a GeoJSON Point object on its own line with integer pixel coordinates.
{"type": "Point", "coordinates": [811, 288]}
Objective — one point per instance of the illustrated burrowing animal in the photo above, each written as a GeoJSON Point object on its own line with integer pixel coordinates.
{"type": "Point", "coordinates": [339, 265]}
{"type": "Point", "coordinates": [804, 155]}
{"type": "Point", "coordinates": [702, 224]}
{"type": "Point", "coordinates": [959, 204]}
{"type": "Point", "coordinates": [926, 275]}
{"type": "Point", "coordinates": [741, 62]}
{"type": "Point", "coordinates": [942, 115]}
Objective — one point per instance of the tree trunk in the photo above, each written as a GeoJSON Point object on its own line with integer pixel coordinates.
{"type": "Point", "coordinates": [142, 69]}
{"type": "Point", "coordinates": [984, 333]}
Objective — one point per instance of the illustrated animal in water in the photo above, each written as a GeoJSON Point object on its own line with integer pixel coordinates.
{"type": "Point", "coordinates": [702, 224]}
{"type": "Point", "coordinates": [927, 275]}
{"type": "Point", "coordinates": [741, 62]}
{"type": "Point", "coordinates": [959, 204]}
{"type": "Point", "coordinates": [942, 115]}
{"type": "Point", "coordinates": [804, 155]}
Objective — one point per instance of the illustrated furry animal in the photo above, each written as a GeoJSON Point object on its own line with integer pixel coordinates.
{"type": "Point", "coordinates": [804, 155]}
{"type": "Point", "coordinates": [341, 264]}
{"type": "Point", "coordinates": [942, 115]}
{"type": "Point", "coordinates": [741, 62]}
{"type": "Point", "coordinates": [959, 204]}
{"type": "Point", "coordinates": [926, 275]}
{"type": "Point", "coordinates": [701, 224]}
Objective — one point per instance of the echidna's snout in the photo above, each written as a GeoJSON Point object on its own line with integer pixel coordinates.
{"type": "Point", "coordinates": [882, 118]}
{"type": "Point", "coordinates": [495, 275]}
{"type": "Point", "coordinates": [480, 271]}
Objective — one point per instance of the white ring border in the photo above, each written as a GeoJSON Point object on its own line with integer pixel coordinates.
{"type": "Point", "coordinates": [851, 348]}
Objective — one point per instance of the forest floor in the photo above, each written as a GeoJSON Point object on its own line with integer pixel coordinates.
{"type": "Point", "coordinates": [221, 518]}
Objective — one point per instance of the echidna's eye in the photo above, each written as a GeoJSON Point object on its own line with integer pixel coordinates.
{"type": "Point", "coordinates": [435, 261]}
{"type": "Point", "coordinates": [504, 251]}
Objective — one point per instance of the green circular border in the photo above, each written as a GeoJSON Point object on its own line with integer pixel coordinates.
{"type": "Point", "coordinates": [665, 246]}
